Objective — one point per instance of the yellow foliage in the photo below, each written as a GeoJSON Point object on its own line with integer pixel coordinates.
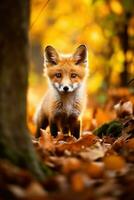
{"type": "Point", "coordinates": [95, 82]}
{"type": "Point", "coordinates": [131, 27]}
{"type": "Point", "coordinates": [117, 61]}
{"type": "Point", "coordinates": [129, 55]}
{"type": "Point", "coordinates": [104, 10]}
{"type": "Point", "coordinates": [94, 37]}
{"type": "Point", "coordinates": [116, 7]}
{"type": "Point", "coordinates": [67, 24]}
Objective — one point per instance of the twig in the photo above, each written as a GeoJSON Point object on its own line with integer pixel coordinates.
{"type": "Point", "coordinates": [43, 7]}
{"type": "Point", "coordinates": [131, 81]}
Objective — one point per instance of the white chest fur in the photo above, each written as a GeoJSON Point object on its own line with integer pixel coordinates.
{"type": "Point", "coordinates": [69, 103]}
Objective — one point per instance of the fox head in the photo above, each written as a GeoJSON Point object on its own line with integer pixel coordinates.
{"type": "Point", "coordinates": [66, 72]}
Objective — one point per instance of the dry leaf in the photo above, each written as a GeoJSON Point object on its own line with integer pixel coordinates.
{"type": "Point", "coordinates": [79, 181]}
{"type": "Point", "coordinates": [94, 169]}
{"type": "Point", "coordinates": [124, 109]}
{"type": "Point", "coordinates": [95, 152]}
{"type": "Point", "coordinates": [114, 162]}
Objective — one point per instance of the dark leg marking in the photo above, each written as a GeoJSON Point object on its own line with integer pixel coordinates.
{"type": "Point", "coordinates": [64, 124]}
{"type": "Point", "coordinates": [42, 125]}
{"type": "Point", "coordinates": [65, 129]}
{"type": "Point", "coordinates": [75, 127]}
{"type": "Point", "coordinates": [53, 129]}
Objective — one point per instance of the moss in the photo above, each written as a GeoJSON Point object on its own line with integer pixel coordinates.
{"type": "Point", "coordinates": [102, 130]}
{"type": "Point", "coordinates": [113, 128]}
{"type": "Point", "coordinates": [26, 159]}
{"type": "Point", "coordinates": [7, 152]}
{"type": "Point", "coordinates": [38, 169]}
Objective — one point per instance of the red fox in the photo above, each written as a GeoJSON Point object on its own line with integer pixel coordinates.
{"type": "Point", "coordinates": [65, 99]}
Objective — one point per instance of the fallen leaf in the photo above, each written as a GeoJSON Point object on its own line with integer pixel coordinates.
{"type": "Point", "coordinates": [79, 181]}
{"type": "Point", "coordinates": [93, 153]}
{"type": "Point", "coordinates": [94, 169]}
{"type": "Point", "coordinates": [124, 108]}
{"type": "Point", "coordinates": [70, 165]}
{"type": "Point", "coordinates": [114, 162]}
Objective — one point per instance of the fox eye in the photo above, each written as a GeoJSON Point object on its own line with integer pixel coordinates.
{"type": "Point", "coordinates": [58, 75]}
{"type": "Point", "coordinates": [73, 75]}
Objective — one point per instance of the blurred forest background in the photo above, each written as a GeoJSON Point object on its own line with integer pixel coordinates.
{"type": "Point", "coordinates": [107, 28]}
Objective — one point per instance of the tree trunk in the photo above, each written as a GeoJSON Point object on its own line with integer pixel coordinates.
{"type": "Point", "coordinates": [15, 143]}
{"type": "Point", "coordinates": [124, 38]}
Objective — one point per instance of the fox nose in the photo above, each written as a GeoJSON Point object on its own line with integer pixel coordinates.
{"type": "Point", "coordinates": [66, 88]}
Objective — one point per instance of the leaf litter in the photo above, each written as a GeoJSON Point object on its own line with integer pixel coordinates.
{"type": "Point", "coordinates": [97, 166]}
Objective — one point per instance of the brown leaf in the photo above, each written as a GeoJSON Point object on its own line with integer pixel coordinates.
{"type": "Point", "coordinates": [95, 152]}
{"type": "Point", "coordinates": [79, 181]}
{"type": "Point", "coordinates": [130, 144]}
{"type": "Point", "coordinates": [94, 169]}
{"type": "Point", "coordinates": [85, 141]}
{"type": "Point", "coordinates": [35, 190]}
{"type": "Point", "coordinates": [124, 108]}
{"type": "Point", "coordinates": [46, 141]}
{"type": "Point", "coordinates": [70, 165]}
{"type": "Point", "coordinates": [114, 162]}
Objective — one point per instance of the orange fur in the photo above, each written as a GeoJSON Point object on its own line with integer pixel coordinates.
{"type": "Point", "coordinates": [65, 99]}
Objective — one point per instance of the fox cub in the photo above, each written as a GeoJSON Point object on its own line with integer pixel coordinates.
{"type": "Point", "coordinates": [65, 99]}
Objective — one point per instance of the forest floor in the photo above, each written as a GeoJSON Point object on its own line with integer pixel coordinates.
{"type": "Point", "coordinates": [97, 166]}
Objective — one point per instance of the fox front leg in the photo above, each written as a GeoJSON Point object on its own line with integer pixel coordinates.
{"type": "Point", "coordinates": [64, 124]}
{"type": "Point", "coordinates": [41, 125]}
{"type": "Point", "coordinates": [75, 127]}
{"type": "Point", "coordinates": [53, 128]}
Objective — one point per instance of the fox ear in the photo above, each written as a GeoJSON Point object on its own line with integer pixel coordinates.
{"type": "Point", "coordinates": [80, 56]}
{"type": "Point", "coordinates": [51, 56]}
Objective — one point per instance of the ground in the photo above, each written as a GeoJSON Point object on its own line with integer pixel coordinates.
{"type": "Point", "coordinates": [99, 165]}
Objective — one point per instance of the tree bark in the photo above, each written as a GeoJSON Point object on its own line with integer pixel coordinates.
{"type": "Point", "coordinates": [15, 143]}
{"type": "Point", "coordinates": [124, 38]}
